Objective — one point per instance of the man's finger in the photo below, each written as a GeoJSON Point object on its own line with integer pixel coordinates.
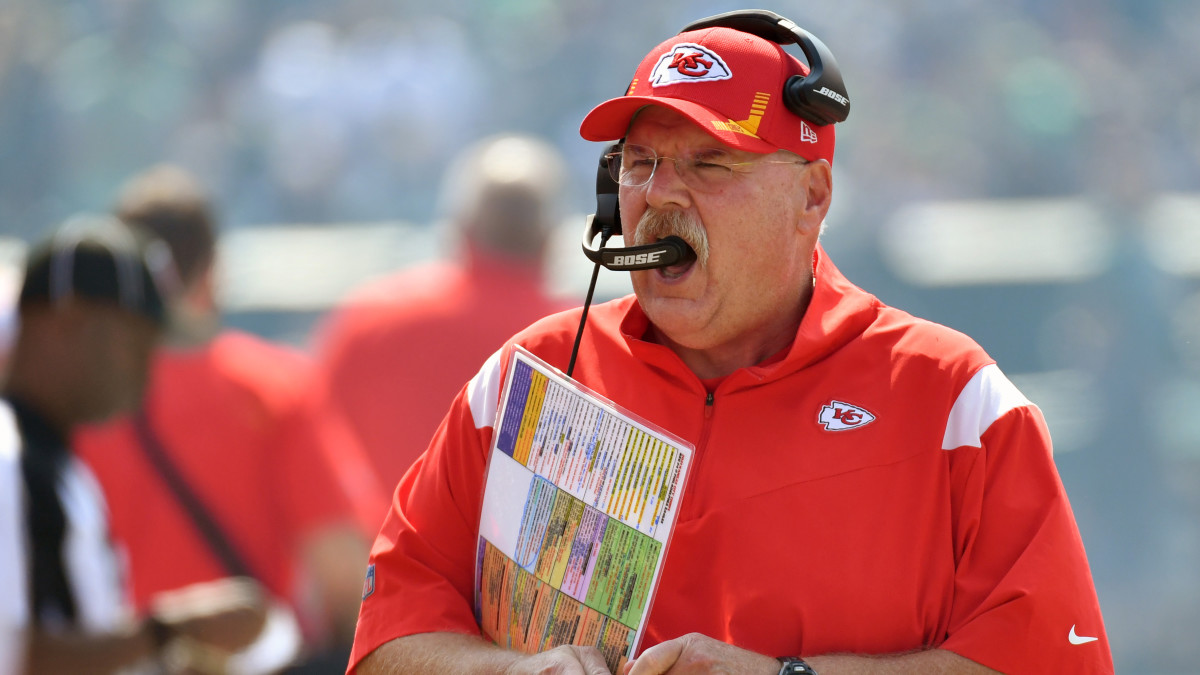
{"type": "Point", "coordinates": [592, 660]}
{"type": "Point", "coordinates": [658, 659]}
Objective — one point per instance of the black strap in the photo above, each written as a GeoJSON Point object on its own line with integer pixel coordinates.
{"type": "Point", "coordinates": [48, 526]}
{"type": "Point", "coordinates": [44, 459]}
{"type": "Point", "coordinates": [156, 453]}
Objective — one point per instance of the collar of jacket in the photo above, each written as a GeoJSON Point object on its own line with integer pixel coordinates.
{"type": "Point", "coordinates": [838, 313]}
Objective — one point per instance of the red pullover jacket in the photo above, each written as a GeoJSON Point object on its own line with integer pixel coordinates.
{"type": "Point", "coordinates": [881, 488]}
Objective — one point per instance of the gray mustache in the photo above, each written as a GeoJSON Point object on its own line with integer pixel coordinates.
{"type": "Point", "coordinates": [657, 224]}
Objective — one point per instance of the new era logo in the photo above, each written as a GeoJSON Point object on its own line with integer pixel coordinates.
{"type": "Point", "coordinates": [807, 135]}
{"type": "Point", "coordinates": [838, 416]}
{"type": "Point", "coordinates": [688, 62]}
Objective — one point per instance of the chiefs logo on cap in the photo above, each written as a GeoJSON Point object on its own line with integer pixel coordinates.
{"type": "Point", "coordinates": [688, 62]}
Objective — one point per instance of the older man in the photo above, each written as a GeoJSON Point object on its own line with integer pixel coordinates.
{"type": "Point", "coordinates": [869, 493]}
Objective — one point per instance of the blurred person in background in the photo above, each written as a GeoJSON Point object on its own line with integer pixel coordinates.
{"type": "Point", "coordinates": [91, 310]}
{"type": "Point", "coordinates": [234, 466]}
{"type": "Point", "coordinates": [399, 348]}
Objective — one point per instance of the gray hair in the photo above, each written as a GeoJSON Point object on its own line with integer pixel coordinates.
{"type": "Point", "coordinates": [504, 193]}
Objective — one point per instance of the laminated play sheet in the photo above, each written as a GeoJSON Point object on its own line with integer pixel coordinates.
{"type": "Point", "coordinates": [578, 510]}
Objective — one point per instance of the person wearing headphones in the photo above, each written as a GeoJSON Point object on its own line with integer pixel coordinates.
{"type": "Point", "coordinates": [868, 492]}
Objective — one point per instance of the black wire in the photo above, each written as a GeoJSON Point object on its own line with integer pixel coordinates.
{"type": "Point", "coordinates": [587, 303]}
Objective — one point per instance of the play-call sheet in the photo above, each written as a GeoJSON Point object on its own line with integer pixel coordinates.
{"type": "Point", "coordinates": [578, 510]}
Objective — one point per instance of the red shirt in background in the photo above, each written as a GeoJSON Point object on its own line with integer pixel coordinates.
{"type": "Point", "coordinates": [395, 354]}
{"type": "Point", "coordinates": [242, 421]}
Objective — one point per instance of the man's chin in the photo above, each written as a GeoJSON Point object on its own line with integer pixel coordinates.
{"type": "Point", "coordinates": [674, 317]}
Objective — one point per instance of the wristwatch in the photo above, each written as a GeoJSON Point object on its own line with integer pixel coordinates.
{"type": "Point", "coordinates": [794, 665]}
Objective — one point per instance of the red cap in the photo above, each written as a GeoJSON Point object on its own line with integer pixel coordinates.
{"type": "Point", "coordinates": [729, 83]}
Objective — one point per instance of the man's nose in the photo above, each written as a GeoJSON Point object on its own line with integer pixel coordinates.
{"type": "Point", "coordinates": [666, 186]}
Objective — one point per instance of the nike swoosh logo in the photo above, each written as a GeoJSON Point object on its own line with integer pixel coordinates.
{"type": "Point", "coordinates": [1077, 640]}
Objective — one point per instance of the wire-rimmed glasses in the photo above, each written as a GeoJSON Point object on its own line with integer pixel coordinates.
{"type": "Point", "coordinates": [708, 169]}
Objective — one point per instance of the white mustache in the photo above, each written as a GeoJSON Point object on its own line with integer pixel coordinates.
{"type": "Point", "coordinates": [657, 224]}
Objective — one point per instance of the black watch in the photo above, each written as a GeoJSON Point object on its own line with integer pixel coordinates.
{"type": "Point", "coordinates": [794, 665]}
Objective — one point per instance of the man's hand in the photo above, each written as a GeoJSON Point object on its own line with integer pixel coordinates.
{"type": "Point", "coordinates": [564, 660]}
{"type": "Point", "coordinates": [226, 614]}
{"type": "Point", "coordinates": [696, 653]}
{"type": "Point", "coordinates": [222, 616]}
{"type": "Point", "coordinates": [442, 653]}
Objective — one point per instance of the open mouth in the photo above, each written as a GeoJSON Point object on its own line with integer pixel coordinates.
{"type": "Point", "coordinates": [682, 267]}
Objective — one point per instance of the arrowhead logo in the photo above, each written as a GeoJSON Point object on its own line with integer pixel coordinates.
{"type": "Point", "coordinates": [838, 416]}
{"type": "Point", "coordinates": [1079, 640]}
{"type": "Point", "coordinates": [688, 62]}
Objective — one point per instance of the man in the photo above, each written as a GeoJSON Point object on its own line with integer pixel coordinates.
{"type": "Point", "coordinates": [869, 493]}
{"type": "Point", "coordinates": [90, 312]}
{"type": "Point", "coordinates": [397, 351]}
{"type": "Point", "coordinates": [271, 470]}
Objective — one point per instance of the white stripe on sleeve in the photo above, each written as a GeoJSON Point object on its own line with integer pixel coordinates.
{"type": "Point", "coordinates": [987, 397]}
{"type": "Point", "coordinates": [483, 392]}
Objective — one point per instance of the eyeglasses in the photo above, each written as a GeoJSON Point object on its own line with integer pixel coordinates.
{"type": "Point", "coordinates": [703, 170]}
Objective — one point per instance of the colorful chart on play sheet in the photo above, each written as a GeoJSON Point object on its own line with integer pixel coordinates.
{"type": "Point", "coordinates": [580, 503]}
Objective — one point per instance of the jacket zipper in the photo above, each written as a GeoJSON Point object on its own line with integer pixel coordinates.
{"type": "Point", "coordinates": [694, 471]}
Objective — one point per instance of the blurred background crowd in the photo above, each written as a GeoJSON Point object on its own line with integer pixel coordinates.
{"type": "Point", "coordinates": [1026, 172]}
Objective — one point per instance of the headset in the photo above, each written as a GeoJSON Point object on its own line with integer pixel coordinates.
{"type": "Point", "coordinates": [819, 97]}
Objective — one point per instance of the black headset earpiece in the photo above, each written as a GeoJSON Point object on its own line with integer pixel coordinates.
{"type": "Point", "coordinates": [819, 97]}
{"type": "Point", "coordinates": [608, 210]}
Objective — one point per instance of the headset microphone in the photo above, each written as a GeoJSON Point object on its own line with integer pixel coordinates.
{"type": "Point", "coordinates": [663, 253]}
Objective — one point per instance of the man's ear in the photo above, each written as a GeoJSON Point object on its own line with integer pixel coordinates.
{"type": "Point", "coordinates": [818, 188]}
{"type": "Point", "coordinates": [816, 185]}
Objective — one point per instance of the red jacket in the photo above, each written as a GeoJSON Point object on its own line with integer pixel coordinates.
{"type": "Point", "coordinates": [881, 488]}
{"type": "Point", "coordinates": [395, 354]}
{"type": "Point", "coordinates": [241, 420]}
